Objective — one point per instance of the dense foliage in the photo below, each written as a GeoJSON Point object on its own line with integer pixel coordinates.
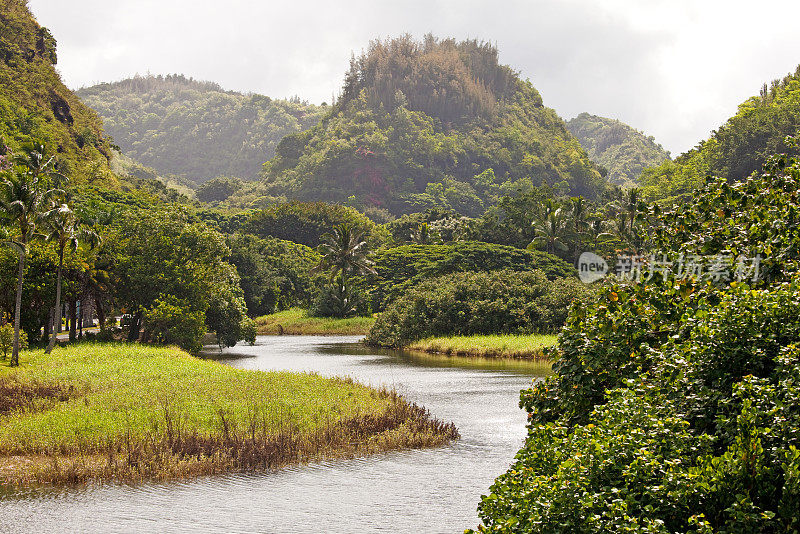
{"type": "Point", "coordinates": [36, 106]}
{"type": "Point", "coordinates": [275, 274]}
{"type": "Point", "coordinates": [306, 222]}
{"type": "Point", "coordinates": [398, 269]}
{"type": "Point", "coordinates": [620, 150]}
{"type": "Point", "coordinates": [498, 302]}
{"type": "Point", "coordinates": [431, 124]}
{"type": "Point", "coordinates": [673, 407]}
{"type": "Point", "coordinates": [195, 129]}
{"type": "Point", "coordinates": [739, 147]}
{"type": "Point", "coordinates": [158, 258]}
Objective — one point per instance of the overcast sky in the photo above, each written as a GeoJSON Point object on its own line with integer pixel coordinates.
{"type": "Point", "coordinates": [675, 69]}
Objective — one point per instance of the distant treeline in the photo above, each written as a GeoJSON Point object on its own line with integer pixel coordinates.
{"type": "Point", "coordinates": [194, 129]}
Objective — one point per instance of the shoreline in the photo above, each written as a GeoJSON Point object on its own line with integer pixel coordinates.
{"type": "Point", "coordinates": [69, 430]}
{"type": "Point", "coordinates": [296, 321]}
{"type": "Point", "coordinates": [501, 347]}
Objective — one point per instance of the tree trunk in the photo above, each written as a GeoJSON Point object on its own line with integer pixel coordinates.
{"type": "Point", "coordinates": [47, 327]}
{"type": "Point", "coordinates": [136, 324]}
{"type": "Point", "coordinates": [18, 310]}
{"type": "Point", "coordinates": [73, 312]}
{"type": "Point", "coordinates": [101, 314]}
{"type": "Point", "coordinates": [57, 319]}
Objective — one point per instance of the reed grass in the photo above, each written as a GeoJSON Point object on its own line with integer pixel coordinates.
{"type": "Point", "coordinates": [529, 347]}
{"type": "Point", "coordinates": [130, 412]}
{"type": "Point", "coordinates": [296, 321]}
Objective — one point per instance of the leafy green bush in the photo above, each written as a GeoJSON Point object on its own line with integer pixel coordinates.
{"type": "Point", "coordinates": [402, 268]}
{"type": "Point", "coordinates": [307, 222]}
{"type": "Point", "coordinates": [218, 189]}
{"type": "Point", "coordinates": [673, 407]}
{"type": "Point", "coordinates": [499, 302]}
{"type": "Point", "coordinates": [275, 274]}
{"type": "Point", "coordinates": [7, 339]}
{"type": "Point", "coordinates": [340, 300]}
{"type": "Point", "coordinates": [171, 322]}
{"type": "Point", "coordinates": [696, 433]}
{"type": "Point", "coordinates": [248, 330]}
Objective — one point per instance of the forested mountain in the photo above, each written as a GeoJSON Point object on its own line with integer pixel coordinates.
{"type": "Point", "coordinates": [739, 147]}
{"type": "Point", "coordinates": [36, 106]}
{"type": "Point", "coordinates": [621, 150]}
{"type": "Point", "coordinates": [436, 123]}
{"type": "Point", "coordinates": [193, 129]}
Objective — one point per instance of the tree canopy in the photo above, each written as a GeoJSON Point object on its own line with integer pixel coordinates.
{"type": "Point", "coordinates": [737, 148]}
{"type": "Point", "coordinates": [436, 123]}
{"type": "Point", "coordinates": [193, 129]}
{"type": "Point", "coordinates": [620, 150]}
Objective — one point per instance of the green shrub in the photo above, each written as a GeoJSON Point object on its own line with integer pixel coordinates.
{"type": "Point", "coordinates": [698, 434]}
{"type": "Point", "coordinates": [307, 222]}
{"type": "Point", "coordinates": [338, 300]}
{"type": "Point", "coordinates": [248, 330]}
{"type": "Point", "coordinates": [275, 274]}
{"type": "Point", "coordinates": [171, 322]}
{"type": "Point", "coordinates": [500, 302]}
{"type": "Point", "coordinates": [402, 268]}
{"type": "Point", "coordinates": [7, 339]}
{"type": "Point", "coordinates": [674, 405]}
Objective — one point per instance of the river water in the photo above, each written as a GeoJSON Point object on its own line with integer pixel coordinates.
{"type": "Point", "coordinates": [432, 490]}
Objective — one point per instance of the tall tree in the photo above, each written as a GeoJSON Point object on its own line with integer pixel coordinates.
{"type": "Point", "coordinates": [65, 230]}
{"type": "Point", "coordinates": [344, 251]}
{"type": "Point", "coordinates": [25, 194]}
{"type": "Point", "coordinates": [344, 254]}
{"type": "Point", "coordinates": [551, 229]}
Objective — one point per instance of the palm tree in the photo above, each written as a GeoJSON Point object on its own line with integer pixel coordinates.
{"type": "Point", "coordinates": [65, 230]}
{"type": "Point", "coordinates": [24, 196]}
{"type": "Point", "coordinates": [578, 214]}
{"type": "Point", "coordinates": [345, 251]}
{"type": "Point", "coordinates": [550, 229]}
{"type": "Point", "coordinates": [344, 254]}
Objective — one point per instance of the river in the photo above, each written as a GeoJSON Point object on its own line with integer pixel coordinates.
{"type": "Point", "coordinates": [431, 490]}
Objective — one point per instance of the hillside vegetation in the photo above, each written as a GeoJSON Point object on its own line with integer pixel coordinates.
{"type": "Point", "coordinates": [739, 147]}
{"type": "Point", "coordinates": [436, 123]}
{"type": "Point", "coordinates": [622, 151]}
{"type": "Point", "coordinates": [673, 404]}
{"type": "Point", "coordinates": [195, 129]}
{"type": "Point", "coordinates": [36, 106]}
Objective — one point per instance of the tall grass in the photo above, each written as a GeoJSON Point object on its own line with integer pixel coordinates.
{"type": "Point", "coordinates": [297, 321]}
{"type": "Point", "coordinates": [100, 411]}
{"type": "Point", "coordinates": [494, 346]}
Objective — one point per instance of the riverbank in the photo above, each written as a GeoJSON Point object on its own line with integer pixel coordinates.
{"type": "Point", "coordinates": [131, 413]}
{"type": "Point", "coordinates": [528, 347]}
{"type": "Point", "coordinates": [296, 321]}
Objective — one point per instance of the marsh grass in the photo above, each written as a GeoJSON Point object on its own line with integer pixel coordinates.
{"type": "Point", "coordinates": [296, 321]}
{"type": "Point", "coordinates": [131, 413]}
{"type": "Point", "coordinates": [529, 347]}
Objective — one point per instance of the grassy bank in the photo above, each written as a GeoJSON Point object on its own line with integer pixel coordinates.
{"type": "Point", "coordinates": [129, 412]}
{"type": "Point", "coordinates": [297, 321]}
{"type": "Point", "coordinates": [497, 346]}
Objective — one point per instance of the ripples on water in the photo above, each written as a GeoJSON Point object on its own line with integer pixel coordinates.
{"type": "Point", "coordinates": [431, 490]}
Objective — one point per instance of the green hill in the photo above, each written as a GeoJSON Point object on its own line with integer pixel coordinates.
{"type": "Point", "coordinates": [738, 148]}
{"type": "Point", "coordinates": [623, 151]}
{"type": "Point", "coordinates": [36, 105]}
{"type": "Point", "coordinates": [436, 123]}
{"type": "Point", "coordinates": [196, 130]}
